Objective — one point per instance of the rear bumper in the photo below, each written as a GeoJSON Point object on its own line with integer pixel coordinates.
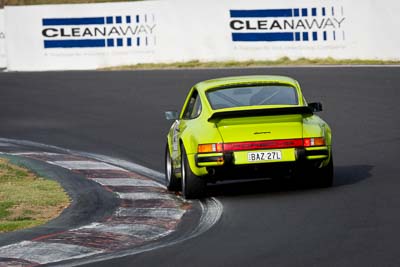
{"type": "Point", "coordinates": [313, 153]}
{"type": "Point", "coordinates": [210, 159]}
{"type": "Point", "coordinates": [224, 165]}
{"type": "Point", "coordinates": [293, 154]}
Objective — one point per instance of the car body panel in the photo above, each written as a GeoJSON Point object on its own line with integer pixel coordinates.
{"type": "Point", "coordinates": [261, 128]}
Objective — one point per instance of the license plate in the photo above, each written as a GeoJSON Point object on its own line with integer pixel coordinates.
{"type": "Point", "coordinates": [264, 156]}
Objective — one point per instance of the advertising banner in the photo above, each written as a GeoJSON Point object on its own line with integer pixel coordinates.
{"type": "Point", "coordinates": [90, 36]}
{"type": "Point", "coordinates": [314, 29]}
{"type": "Point", "coordinates": [3, 57]}
{"type": "Point", "coordinates": [80, 36]}
{"type": "Point", "coordinates": [268, 30]}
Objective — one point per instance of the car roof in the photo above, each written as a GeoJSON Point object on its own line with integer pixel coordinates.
{"type": "Point", "coordinates": [243, 80]}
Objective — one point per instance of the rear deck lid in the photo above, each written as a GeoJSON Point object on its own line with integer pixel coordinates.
{"type": "Point", "coordinates": [274, 127]}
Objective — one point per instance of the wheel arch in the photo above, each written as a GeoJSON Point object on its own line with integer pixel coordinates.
{"type": "Point", "coordinates": [191, 156]}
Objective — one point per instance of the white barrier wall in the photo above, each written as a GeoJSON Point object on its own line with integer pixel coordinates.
{"type": "Point", "coordinates": [3, 59]}
{"type": "Point", "coordinates": [88, 36]}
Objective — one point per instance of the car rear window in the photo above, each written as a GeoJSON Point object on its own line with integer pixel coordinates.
{"type": "Point", "coordinates": [259, 95]}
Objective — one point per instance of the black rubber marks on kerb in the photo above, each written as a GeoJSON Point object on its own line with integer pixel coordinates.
{"type": "Point", "coordinates": [147, 212]}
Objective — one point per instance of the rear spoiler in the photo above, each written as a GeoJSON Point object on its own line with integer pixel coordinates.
{"type": "Point", "coordinates": [260, 112]}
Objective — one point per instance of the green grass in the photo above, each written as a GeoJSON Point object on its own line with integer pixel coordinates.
{"type": "Point", "coordinates": [284, 61]}
{"type": "Point", "coordinates": [27, 200]}
{"type": "Point", "coordinates": [4, 206]}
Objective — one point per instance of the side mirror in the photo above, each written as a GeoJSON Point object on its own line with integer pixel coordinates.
{"type": "Point", "coordinates": [171, 115]}
{"type": "Point", "coordinates": [315, 107]}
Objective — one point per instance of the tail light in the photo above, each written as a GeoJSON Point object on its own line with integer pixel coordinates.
{"type": "Point", "coordinates": [210, 148]}
{"type": "Point", "coordinates": [271, 144]}
{"type": "Point", "coordinates": [316, 141]}
{"type": "Point", "coordinates": [259, 145]}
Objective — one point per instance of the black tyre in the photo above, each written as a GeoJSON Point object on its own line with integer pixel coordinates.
{"type": "Point", "coordinates": [307, 175]}
{"type": "Point", "coordinates": [172, 183]}
{"type": "Point", "coordinates": [192, 185]}
{"type": "Point", "coordinates": [323, 177]}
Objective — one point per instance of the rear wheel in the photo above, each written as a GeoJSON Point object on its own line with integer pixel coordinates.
{"type": "Point", "coordinates": [172, 183]}
{"type": "Point", "coordinates": [323, 177]}
{"type": "Point", "coordinates": [192, 185]}
{"type": "Point", "coordinates": [307, 175]}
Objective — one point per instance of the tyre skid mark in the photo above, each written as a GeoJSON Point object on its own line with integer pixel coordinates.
{"type": "Point", "coordinates": [142, 231]}
{"type": "Point", "coordinates": [98, 240]}
{"type": "Point", "coordinates": [150, 203]}
{"type": "Point", "coordinates": [168, 224]}
{"type": "Point", "coordinates": [166, 213]}
{"type": "Point", "coordinates": [109, 174]}
{"type": "Point", "coordinates": [48, 156]}
{"type": "Point", "coordinates": [136, 189]}
{"type": "Point", "coordinates": [144, 195]}
{"type": "Point", "coordinates": [127, 182]}
{"type": "Point", "coordinates": [8, 262]}
{"type": "Point", "coordinates": [44, 252]}
{"type": "Point", "coordinates": [85, 165]}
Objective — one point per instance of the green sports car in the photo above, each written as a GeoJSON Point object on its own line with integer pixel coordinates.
{"type": "Point", "coordinates": [246, 127]}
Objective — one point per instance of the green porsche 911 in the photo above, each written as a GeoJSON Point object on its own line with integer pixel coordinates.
{"type": "Point", "coordinates": [246, 127]}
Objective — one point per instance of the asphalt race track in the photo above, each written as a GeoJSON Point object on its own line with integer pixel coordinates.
{"type": "Point", "coordinates": [267, 223]}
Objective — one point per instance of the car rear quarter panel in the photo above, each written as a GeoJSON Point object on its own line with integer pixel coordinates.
{"type": "Point", "coordinates": [198, 131]}
{"type": "Point", "coordinates": [314, 126]}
